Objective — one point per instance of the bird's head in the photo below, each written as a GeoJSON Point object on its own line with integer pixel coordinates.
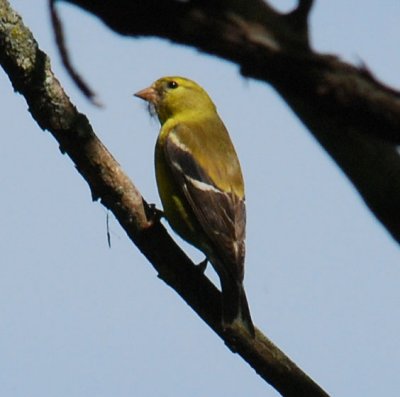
{"type": "Point", "coordinates": [174, 96]}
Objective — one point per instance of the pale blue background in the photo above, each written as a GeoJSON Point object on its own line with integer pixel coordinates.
{"type": "Point", "coordinates": [322, 277]}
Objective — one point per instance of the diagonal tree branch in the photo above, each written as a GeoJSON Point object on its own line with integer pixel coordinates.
{"type": "Point", "coordinates": [354, 117]}
{"type": "Point", "coordinates": [29, 71]}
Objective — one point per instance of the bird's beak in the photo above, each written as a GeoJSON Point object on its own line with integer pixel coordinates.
{"type": "Point", "coordinates": [148, 94]}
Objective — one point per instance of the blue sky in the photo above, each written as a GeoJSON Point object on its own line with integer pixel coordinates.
{"type": "Point", "coordinates": [322, 276]}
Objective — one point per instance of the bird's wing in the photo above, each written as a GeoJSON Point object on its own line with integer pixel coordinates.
{"type": "Point", "coordinates": [220, 212]}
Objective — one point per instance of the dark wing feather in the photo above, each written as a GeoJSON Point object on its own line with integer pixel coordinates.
{"type": "Point", "coordinates": [221, 215]}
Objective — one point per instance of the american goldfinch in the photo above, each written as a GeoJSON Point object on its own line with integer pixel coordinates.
{"type": "Point", "coordinates": [201, 186]}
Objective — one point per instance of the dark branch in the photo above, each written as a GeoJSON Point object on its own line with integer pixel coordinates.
{"type": "Point", "coordinates": [29, 71]}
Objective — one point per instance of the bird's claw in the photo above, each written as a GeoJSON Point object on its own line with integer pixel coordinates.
{"type": "Point", "coordinates": [153, 213]}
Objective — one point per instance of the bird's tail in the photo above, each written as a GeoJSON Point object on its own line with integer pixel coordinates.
{"type": "Point", "coordinates": [235, 308]}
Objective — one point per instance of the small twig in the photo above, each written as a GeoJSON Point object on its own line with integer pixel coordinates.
{"type": "Point", "coordinates": [108, 229]}
{"type": "Point", "coordinates": [66, 60]}
{"type": "Point", "coordinates": [298, 19]}
{"type": "Point", "coordinates": [304, 7]}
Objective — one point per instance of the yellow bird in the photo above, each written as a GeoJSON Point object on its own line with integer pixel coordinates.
{"type": "Point", "coordinates": [201, 185]}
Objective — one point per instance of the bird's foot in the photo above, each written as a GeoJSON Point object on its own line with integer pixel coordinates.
{"type": "Point", "coordinates": [153, 213]}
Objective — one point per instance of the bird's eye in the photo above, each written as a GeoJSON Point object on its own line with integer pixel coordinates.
{"type": "Point", "coordinates": [172, 84]}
